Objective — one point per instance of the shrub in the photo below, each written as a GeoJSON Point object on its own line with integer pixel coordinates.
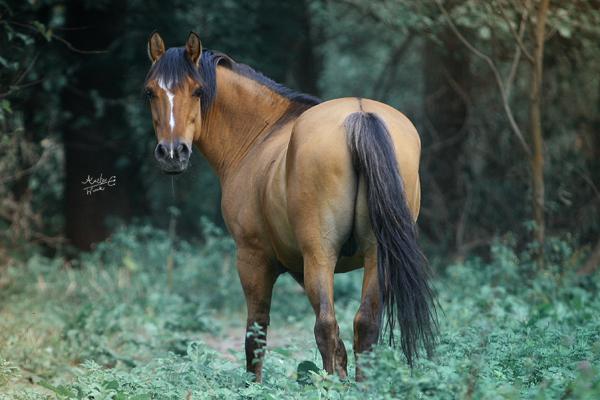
{"type": "Point", "coordinates": [114, 328]}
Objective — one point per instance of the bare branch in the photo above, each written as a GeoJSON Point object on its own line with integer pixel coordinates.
{"type": "Point", "coordinates": [26, 70]}
{"type": "Point", "coordinates": [16, 85]}
{"type": "Point", "coordinates": [517, 35]}
{"type": "Point", "coordinates": [380, 85]}
{"type": "Point", "coordinates": [511, 119]}
{"type": "Point", "coordinates": [40, 161]}
{"type": "Point", "coordinates": [591, 184]}
{"type": "Point", "coordinates": [515, 64]}
{"type": "Point", "coordinates": [17, 88]}
{"type": "Point", "coordinates": [364, 10]}
{"type": "Point", "coordinates": [75, 49]}
{"type": "Point", "coordinates": [69, 45]}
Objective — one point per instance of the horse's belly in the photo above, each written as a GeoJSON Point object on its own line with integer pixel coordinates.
{"type": "Point", "coordinates": [346, 264]}
{"type": "Point", "coordinates": [288, 254]}
{"type": "Point", "coordinates": [294, 263]}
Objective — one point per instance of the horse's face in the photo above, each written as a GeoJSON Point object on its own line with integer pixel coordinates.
{"type": "Point", "coordinates": [173, 89]}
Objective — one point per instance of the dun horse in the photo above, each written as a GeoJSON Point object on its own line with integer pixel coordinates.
{"type": "Point", "coordinates": [309, 188]}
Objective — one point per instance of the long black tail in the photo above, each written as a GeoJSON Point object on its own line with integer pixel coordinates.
{"type": "Point", "coordinates": [402, 268]}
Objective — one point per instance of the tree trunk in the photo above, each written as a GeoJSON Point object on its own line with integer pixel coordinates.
{"type": "Point", "coordinates": [447, 80]}
{"type": "Point", "coordinates": [306, 65]}
{"type": "Point", "coordinates": [535, 120]}
{"type": "Point", "coordinates": [93, 139]}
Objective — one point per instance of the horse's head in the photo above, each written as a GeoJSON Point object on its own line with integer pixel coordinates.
{"type": "Point", "coordinates": [173, 88]}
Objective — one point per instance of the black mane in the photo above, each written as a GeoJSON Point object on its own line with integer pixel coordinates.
{"type": "Point", "coordinates": [174, 66]}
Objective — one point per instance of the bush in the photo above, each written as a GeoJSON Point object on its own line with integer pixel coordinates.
{"type": "Point", "coordinates": [114, 328]}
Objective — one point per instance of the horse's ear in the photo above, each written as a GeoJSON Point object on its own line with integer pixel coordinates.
{"type": "Point", "coordinates": [193, 47]}
{"type": "Point", "coordinates": [156, 47]}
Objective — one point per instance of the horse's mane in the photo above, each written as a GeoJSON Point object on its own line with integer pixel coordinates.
{"type": "Point", "coordinates": [174, 66]}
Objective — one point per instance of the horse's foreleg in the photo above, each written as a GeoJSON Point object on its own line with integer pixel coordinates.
{"type": "Point", "coordinates": [318, 283]}
{"type": "Point", "coordinates": [367, 321]}
{"type": "Point", "coordinates": [258, 277]}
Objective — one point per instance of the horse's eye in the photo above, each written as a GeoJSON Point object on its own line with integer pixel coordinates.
{"type": "Point", "coordinates": [197, 93]}
{"type": "Point", "coordinates": [149, 94]}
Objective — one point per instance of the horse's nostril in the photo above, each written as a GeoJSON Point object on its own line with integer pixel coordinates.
{"type": "Point", "coordinates": [161, 151]}
{"type": "Point", "coordinates": [183, 150]}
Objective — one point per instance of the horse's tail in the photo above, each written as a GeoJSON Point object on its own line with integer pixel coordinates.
{"type": "Point", "coordinates": [402, 269]}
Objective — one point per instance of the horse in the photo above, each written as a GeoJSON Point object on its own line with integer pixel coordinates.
{"type": "Point", "coordinates": [309, 188]}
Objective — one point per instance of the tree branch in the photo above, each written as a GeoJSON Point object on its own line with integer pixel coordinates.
{"type": "Point", "coordinates": [518, 35]}
{"type": "Point", "coordinates": [59, 38]}
{"type": "Point", "coordinates": [16, 85]}
{"type": "Point", "coordinates": [518, 49]}
{"type": "Point", "coordinates": [384, 77]}
{"type": "Point", "coordinates": [40, 161]}
{"type": "Point", "coordinates": [511, 119]}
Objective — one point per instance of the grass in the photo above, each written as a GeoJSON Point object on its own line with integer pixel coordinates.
{"type": "Point", "coordinates": [118, 325]}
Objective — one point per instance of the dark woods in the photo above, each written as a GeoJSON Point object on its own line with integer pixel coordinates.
{"type": "Point", "coordinates": [505, 95]}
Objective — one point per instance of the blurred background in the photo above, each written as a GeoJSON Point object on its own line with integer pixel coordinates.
{"type": "Point", "coordinates": [466, 73]}
{"type": "Point", "coordinates": [131, 292]}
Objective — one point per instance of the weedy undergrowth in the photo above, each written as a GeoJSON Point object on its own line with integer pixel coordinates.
{"type": "Point", "coordinates": [110, 327]}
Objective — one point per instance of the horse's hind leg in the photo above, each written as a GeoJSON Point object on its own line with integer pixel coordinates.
{"type": "Point", "coordinates": [319, 265]}
{"type": "Point", "coordinates": [321, 192]}
{"type": "Point", "coordinates": [257, 276]}
{"type": "Point", "coordinates": [367, 321]}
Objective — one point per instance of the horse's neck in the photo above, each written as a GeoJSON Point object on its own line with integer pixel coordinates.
{"type": "Point", "coordinates": [242, 112]}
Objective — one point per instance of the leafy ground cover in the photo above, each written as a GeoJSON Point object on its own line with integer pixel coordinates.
{"type": "Point", "coordinates": [121, 324]}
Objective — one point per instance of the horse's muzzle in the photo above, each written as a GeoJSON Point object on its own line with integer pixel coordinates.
{"type": "Point", "coordinates": [173, 157]}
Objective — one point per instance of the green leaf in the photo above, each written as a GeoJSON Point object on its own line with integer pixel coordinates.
{"type": "Point", "coordinates": [564, 30]}
{"type": "Point", "coordinates": [485, 32]}
{"type": "Point", "coordinates": [130, 263]}
{"type": "Point", "coordinates": [114, 385]}
{"type": "Point", "coordinates": [283, 352]}
{"type": "Point", "coordinates": [5, 105]}
{"type": "Point", "coordinates": [144, 396]}
{"type": "Point", "coordinates": [40, 27]}
{"type": "Point", "coordinates": [46, 32]}
{"type": "Point", "coordinates": [304, 372]}
{"type": "Point", "coordinates": [60, 390]}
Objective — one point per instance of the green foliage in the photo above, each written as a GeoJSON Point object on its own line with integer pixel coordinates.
{"type": "Point", "coordinates": [7, 370]}
{"type": "Point", "coordinates": [110, 327]}
{"type": "Point", "coordinates": [120, 323]}
{"type": "Point", "coordinates": [31, 165]}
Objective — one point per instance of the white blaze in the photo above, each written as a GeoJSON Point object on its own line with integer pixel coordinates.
{"type": "Point", "coordinates": [171, 98]}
